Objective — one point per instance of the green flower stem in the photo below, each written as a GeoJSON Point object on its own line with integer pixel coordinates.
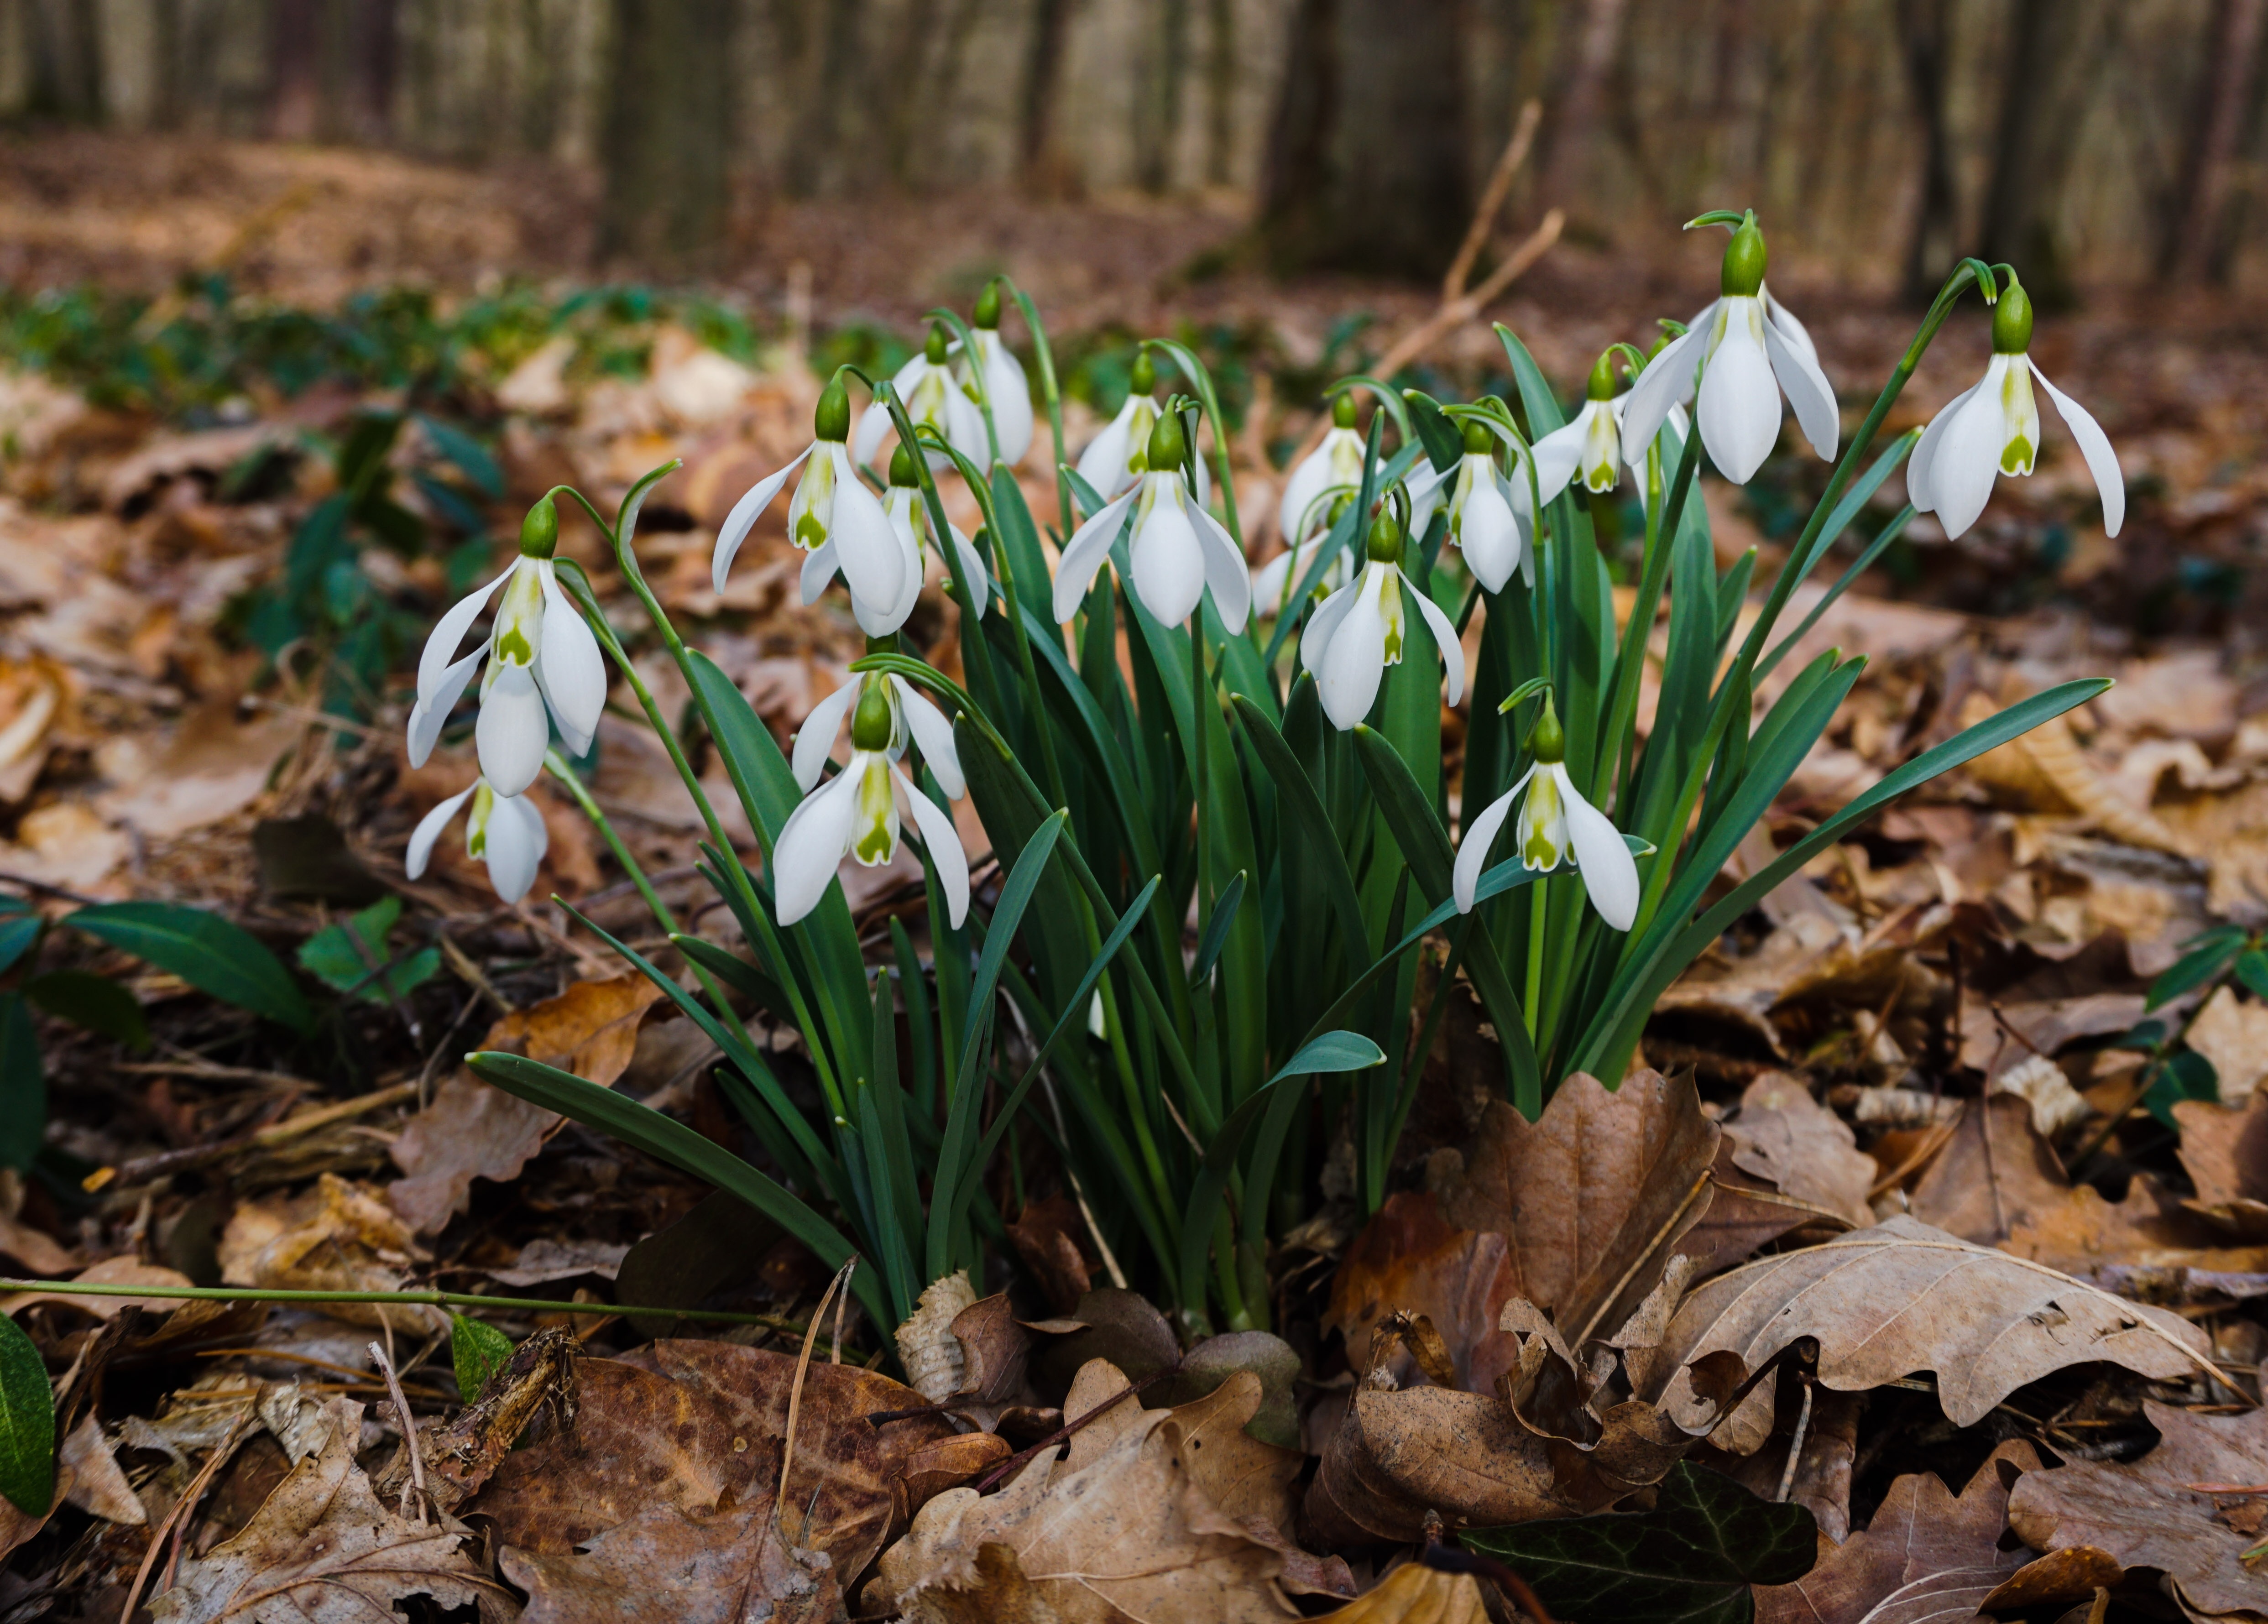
{"type": "Point", "coordinates": [406, 1299]}
{"type": "Point", "coordinates": [980, 390]}
{"type": "Point", "coordinates": [1050, 390]}
{"type": "Point", "coordinates": [1533, 1003]}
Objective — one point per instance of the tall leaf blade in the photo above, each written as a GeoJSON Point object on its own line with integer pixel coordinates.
{"type": "Point", "coordinates": [209, 952]}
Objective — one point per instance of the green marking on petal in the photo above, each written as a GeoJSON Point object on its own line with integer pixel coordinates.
{"type": "Point", "coordinates": [2017, 456]}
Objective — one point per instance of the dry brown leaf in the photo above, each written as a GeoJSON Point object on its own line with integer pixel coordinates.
{"type": "Point", "coordinates": [119, 1271]}
{"type": "Point", "coordinates": [338, 1236]}
{"type": "Point", "coordinates": [948, 1464]}
{"type": "Point", "coordinates": [1821, 1484]}
{"type": "Point", "coordinates": [1416, 1594]}
{"type": "Point", "coordinates": [208, 768]}
{"type": "Point", "coordinates": [34, 1251]}
{"type": "Point", "coordinates": [1901, 1297]}
{"type": "Point", "coordinates": [1994, 1174]}
{"type": "Point", "coordinates": [1401, 1453]}
{"type": "Point", "coordinates": [2225, 1152]}
{"type": "Point", "coordinates": [473, 1130]}
{"type": "Point", "coordinates": [2148, 1514]}
{"type": "Point", "coordinates": [461, 1456]}
{"type": "Point", "coordinates": [1788, 1139]}
{"type": "Point", "coordinates": [1120, 1528]}
{"type": "Point", "coordinates": [2085, 1234]}
{"type": "Point", "coordinates": [324, 1550]}
{"type": "Point", "coordinates": [1048, 1236]}
{"type": "Point", "coordinates": [667, 1566]}
{"type": "Point", "coordinates": [97, 1483]}
{"type": "Point", "coordinates": [927, 1349]}
{"type": "Point", "coordinates": [1408, 1258]}
{"type": "Point", "coordinates": [2232, 1032]}
{"type": "Point", "coordinates": [1924, 1556]}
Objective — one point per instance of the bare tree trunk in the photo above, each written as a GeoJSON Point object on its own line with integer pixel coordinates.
{"type": "Point", "coordinates": [669, 127]}
{"type": "Point", "coordinates": [1931, 245]}
{"type": "Point", "coordinates": [1575, 131]}
{"type": "Point", "coordinates": [2020, 206]}
{"type": "Point", "coordinates": [2195, 246]}
{"type": "Point", "coordinates": [1041, 163]}
{"type": "Point", "coordinates": [295, 68]}
{"type": "Point", "coordinates": [1367, 162]}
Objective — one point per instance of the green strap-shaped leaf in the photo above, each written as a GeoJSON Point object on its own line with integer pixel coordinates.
{"type": "Point", "coordinates": [94, 1002]}
{"type": "Point", "coordinates": [27, 1424]}
{"type": "Point", "coordinates": [17, 933]}
{"type": "Point", "coordinates": [23, 1085]}
{"type": "Point", "coordinates": [669, 1141]}
{"type": "Point", "coordinates": [204, 949]}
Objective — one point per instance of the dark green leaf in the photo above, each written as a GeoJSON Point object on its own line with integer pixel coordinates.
{"type": "Point", "coordinates": [94, 1002]}
{"type": "Point", "coordinates": [1216, 930]}
{"type": "Point", "coordinates": [470, 455]}
{"type": "Point", "coordinates": [1444, 443]}
{"type": "Point", "coordinates": [348, 956]}
{"type": "Point", "coordinates": [17, 933]}
{"type": "Point", "coordinates": [2202, 959]}
{"type": "Point", "coordinates": [1333, 1051]}
{"type": "Point", "coordinates": [1688, 1560]}
{"type": "Point", "coordinates": [27, 1424]}
{"type": "Point", "coordinates": [2251, 973]}
{"type": "Point", "coordinates": [205, 951]}
{"type": "Point", "coordinates": [480, 1351]}
{"type": "Point", "coordinates": [2187, 1075]}
{"type": "Point", "coordinates": [23, 1085]}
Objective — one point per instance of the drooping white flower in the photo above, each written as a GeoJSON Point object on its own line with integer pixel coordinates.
{"type": "Point", "coordinates": [857, 815]}
{"type": "Point", "coordinates": [1272, 582]}
{"type": "Point", "coordinates": [1007, 390]}
{"type": "Point", "coordinates": [543, 666]}
{"type": "Point", "coordinates": [1359, 630]}
{"type": "Point", "coordinates": [907, 517]}
{"type": "Point", "coordinates": [832, 515]}
{"type": "Point", "coordinates": [1177, 549]}
{"type": "Point", "coordinates": [1994, 428]}
{"type": "Point", "coordinates": [1557, 825]}
{"type": "Point", "coordinates": [1748, 347]}
{"type": "Point", "coordinates": [1492, 518]}
{"type": "Point", "coordinates": [506, 831]}
{"type": "Point", "coordinates": [1118, 456]}
{"type": "Point", "coordinates": [911, 714]}
{"type": "Point", "coordinates": [935, 399]}
{"type": "Point", "coordinates": [1332, 470]}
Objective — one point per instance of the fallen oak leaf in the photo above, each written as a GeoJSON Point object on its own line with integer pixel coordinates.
{"type": "Point", "coordinates": [667, 1566]}
{"type": "Point", "coordinates": [1788, 1139]}
{"type": "Point", "coordinates": [1993, 1175]}
{"type": "Point", "coordinates": [1885, 1302]}
{"type": "Point", "coordinates": [1925, 1555]}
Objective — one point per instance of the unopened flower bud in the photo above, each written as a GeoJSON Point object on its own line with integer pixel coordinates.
{"type": "Point", "coordinates": [831, 421]}
{"type": "Point", "coordinates": [987, 307]}
{"type": "Point", "coordinates": [1168, 444]}
{"type": "Point", "coordinates": [539, 532]}
{"type": "Point", "coordinates": [1385, 546]}
{"type": "Point", "coordinates": [1342, 411]}
{"type": "Point", "coordinates": [2012, 321]}
{"type": "Point", "coordinates": [1743, 273]}
{"type": "Point", "coordinates": [1546, 740]}
{"type": "Point", "coordinates": [1143, 377]}
{"type": "Point", "coordinates": [870, 724]}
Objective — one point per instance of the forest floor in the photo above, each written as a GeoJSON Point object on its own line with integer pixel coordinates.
{"type": "Point", "coordinates": [1944, 1021]}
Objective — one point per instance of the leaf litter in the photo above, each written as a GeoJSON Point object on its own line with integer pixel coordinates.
{"type": "Point", "coordinates": [1916, 1097]}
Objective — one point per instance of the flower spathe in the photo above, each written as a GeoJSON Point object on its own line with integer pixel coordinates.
{"type": "Point", "coordinates": [1748, 348]}
{"type": "Point", "coordinates": [505, 831]}
{"type": "Point", "coordinates": [832, 516]}
{"type": "Point", "coordinates": [1993, 428]}
{"type": "Point", "coordinates": [858, 813]}
{"type": "Point", "coordinates": [1557, 825]}
{"type": "Point", "coordinates": [543, 666]}
{"type": "Point", "coordinates": [935, 399]}
{"type": "Point", "coordinates": [1360, 629]}
{"type": "Point", "coordinates": [1177, 549]}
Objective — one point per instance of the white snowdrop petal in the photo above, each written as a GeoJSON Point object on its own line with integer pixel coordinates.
{"type": "Point", "coordinates": [428, 716]}
{"type": "Point", "coordinates": [817, 570]}
{"type": "Point", "coordinates": [944, 843]}
{"type": "Point", "coordinates": [1968, 459]}
{"type": "Point", "coordinates": [439, 653]}
{"type": "Point", "coordinates": [811, 845]}
{"type": "Point", "coordinates": [1225, 571]}
{"type": "Point", "coordinates": [1169, 566]}
{"type": "Point", "coordinates": [814, 740]}
{"type": "Point", "coordinates": [517, 841]}
{"type": "Point", "coordinates": [1083, 552]}
{"type": "Point", "coordinates": [1491, 536]}
{"type": "Point", "coordinates": [1324, 624]}
{"type": "Point", "coordinates": [934, 734]}
{"type": "Point", "coordinates": [1010, 392]}
{"type": "Point", "coordinates": [1739, 405]}
{"type": "Point", "coordinates": [1603, 857]}
{"type": "Point", "coordinates": [972, 565]}
{"type": "Point", "coordinates": [1560, 452]}
{"type": "Point", "coordinates": [1919, 490]}
{"type": "Point", "coordinates": [1807, 391]}
{"type": "Point", "coordinates": [1444, 639]}
{"type": "Point", "coordinates": [1354, 664]}
{"type": "Point", "coordinates": [513, 731]}
{"type": "Point", "coordinates": [429, 830]}
{"type": "Point", "coordinates": [868, 552]}
{"type": "Point", "coordinates": [1103, 463]}
{"type": "Point", "coordinates": [2095, 446]}
{"type": "Point", "coordinates": [743, 517]}
{"type": "Point", "coordinates": [571, 670]}
{"type": "Point", "coordinates": [1479, 835]}
{"type": "Point", "coordinates": [1667, 382]}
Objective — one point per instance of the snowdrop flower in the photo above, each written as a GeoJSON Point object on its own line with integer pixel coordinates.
{"type": "Point", "coordinates": [911, 716]}
{"type": "Point", "coordinates": [505, 831]}
{"type": "Point", "coordinates": [1118, 456]}
{"type": "Point", "coordinates": [1590, 444]}
{"type": "Point", "coordinates": [543, 667]}
{"type": "Point", "coordinates": [1491, 519]}
{"type": "Point", "coordinates": [1994, 428]}
{"type": "Point", "coordinates": [1332, 470]}
{"type": "Point", "coordinates": [1557, 825]}
{"type": "Point", "coordinates": [832, 515]}
{"type": "Point", "coordinates": [935, 399]}
{"type": "Point", "coordinates": [1272, 582]}
{"type": "Point", "coordinates": [1007, 390]}
{"type": "Point", "coordinates": [1359, 630]}
{"type": "Point", "coordinates": [908, 517]}
{"type": "Point", "coordinates": [1748, 347]}
{"type": "Point", "coordinates": [856, 814]}
{"type": "Point", "coordinates": [1177, 549]}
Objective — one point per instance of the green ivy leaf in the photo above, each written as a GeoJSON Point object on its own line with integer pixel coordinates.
{"type": "Point", "coordinates": [27, 1424]}
{"type": "Point", "coordinates": [1688, 1560]}
{"type": "Point", "coordinates": [480, 1351]}
{"type": "Point", "coordinates": [345, 955]}
{"type": "Point", "coordinates": [205, 951]}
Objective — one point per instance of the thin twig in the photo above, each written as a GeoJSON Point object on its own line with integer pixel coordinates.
{"type": "Point", "coordinates": [1492, 195]}
{"type": "Point", "coordinates": [1071, 1427]}
{"type": "Point", "coordinates": [147, 1167]}
{"type": "Point", "coordinates": [182, 1509]}
{"type": "Point", "coordinates": [1795, 1449]}
{"type": "Point", "coordinates": [409, 1431]}
{"type": "Point", "coordinates": [795, 1394]}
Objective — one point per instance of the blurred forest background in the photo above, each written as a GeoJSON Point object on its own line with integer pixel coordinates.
{"type": "Point", "coordinates": [2097, 142]}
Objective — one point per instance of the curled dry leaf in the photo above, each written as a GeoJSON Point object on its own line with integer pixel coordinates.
{"type": "Point", "coordinates": [1901, 1297]}
{"type": "Point", "coordinates": [2152, 1512]}
{"type": "Point", "coordinates": [1416, 1594]}
{"type": "Point", "coordinates": [338, 1236]}
{"type": "Point", "coordinates": [324, 1550]}
{"type": "Point", "coordinates": [1925, 1555]}
{"type": "Point", "coordinates": [1788, 1139]}
{"type": "Point", "coordinates": [927, 1347]}
{"type": "Point", "coordinates": [119, 1271]}
{"type": "Point", "coordinates": [1147, 1514]}
{"type": "Point", "coordinates": [96, 1484]}
{"type": "Point", "coordinates": [2225, 1152]}
{"type": "Point", "coordinates": [473, 1131]}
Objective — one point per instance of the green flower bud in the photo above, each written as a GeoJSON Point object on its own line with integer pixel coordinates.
{"type": "Point", "coordinates": [1385, 546]}
{"type": "Point", "coordinates": [539, 532]}
{"type": "Point", "coordinates": [870, 724]}
{"type": "Point", "coordinates": [987, 307]}
{"type": "Point", "coordinates": [1478, 441]}
{"type": "Point", "coordinates": [1343, 410]}
{"type": "Point", "coordinates": [901, 467]}
{"type": "Point", "coordinates": [2012, 321]}
{"type": "Point", "coordinates": [937, 344]}
{"type": "Point", "coordinates": [831, 419]}
{"type": "Point", "coordinates": [1167, 444]}
{"type": "Point", "coordinates": [1546, 740]}
{"type": "Point", "coordinates": [1743, 272]}
{"type": "Point", "coordinates": [882, 645]}
{"type": "Point", "coordinates": [1601, 387]}
{"type": "Point", "coordinates": [1143, 377]}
